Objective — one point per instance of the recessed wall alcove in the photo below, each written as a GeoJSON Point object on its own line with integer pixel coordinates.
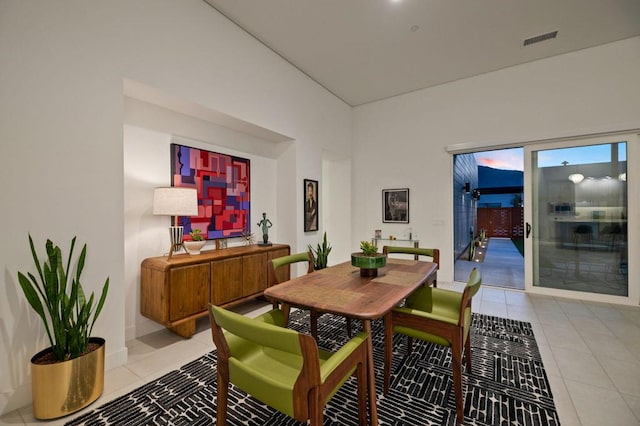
{"type": "Point", "coordinates": [152, 121]}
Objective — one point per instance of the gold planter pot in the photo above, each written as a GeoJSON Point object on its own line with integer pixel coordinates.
{"type": "Point", "coordinates": [63, 388]}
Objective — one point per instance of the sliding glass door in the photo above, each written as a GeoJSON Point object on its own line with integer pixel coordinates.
{"type": "Point", "coordinates": [577, 217]}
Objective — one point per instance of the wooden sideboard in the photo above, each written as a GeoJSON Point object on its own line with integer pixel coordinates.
{"type": "Point", "coordinates": [176, 292]}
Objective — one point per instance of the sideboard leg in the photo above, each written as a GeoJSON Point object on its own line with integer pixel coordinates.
{"type": "Point", "coordinates": [184, 329]}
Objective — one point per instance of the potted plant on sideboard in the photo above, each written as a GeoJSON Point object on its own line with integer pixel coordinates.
{"type": "Point", "coordinates": [196, 243]}
{"type": "Point", "coordinates": [69, 375]}
{"type": "Point", "coordinates": [368, 260]}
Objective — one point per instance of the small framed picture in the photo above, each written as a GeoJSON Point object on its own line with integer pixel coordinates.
{"type": "Point", "coordinates": [311, 203]}
{"type": "Point", "coordinates": [378, 233]}
{"type": "Point", "coordinates": [395, 205]}
{"type": "Point", "coordinates": [221, 243]}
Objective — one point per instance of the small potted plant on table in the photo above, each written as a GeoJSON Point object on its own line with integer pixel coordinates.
{"type": "Point", "coordinates": [369, 260]}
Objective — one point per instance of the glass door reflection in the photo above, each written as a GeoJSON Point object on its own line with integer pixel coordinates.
{"type": "Point", "coordinates": [580, 218]}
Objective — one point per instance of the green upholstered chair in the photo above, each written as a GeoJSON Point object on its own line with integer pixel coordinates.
{"type": "Point", "coordinates": [281, 262]}
{"type": "Point", "coordinates": [282, 368]}
{"type": "Point", "coordinates": [433, 253]}
{"type": "Point", "coordinates": [439, 316]}
{"type": "Point", "coordinates": [287, 261]}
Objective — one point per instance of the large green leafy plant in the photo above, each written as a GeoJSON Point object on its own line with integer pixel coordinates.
{"type": "Point", "coordinates": [321, 254]}
{"type": "Point", "coordinates": [59, 300]}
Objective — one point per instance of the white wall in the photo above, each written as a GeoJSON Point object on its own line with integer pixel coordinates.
{"type": "Point", "coordinates": [64, 67]}
{"type": "Point", "coordinates": [335, 213]}
{"type": "Point", "coordinates": [401, 142]}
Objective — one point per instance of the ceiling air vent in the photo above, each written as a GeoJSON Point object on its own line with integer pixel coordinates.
{"type": "Point", "coordinates": [541, 37]}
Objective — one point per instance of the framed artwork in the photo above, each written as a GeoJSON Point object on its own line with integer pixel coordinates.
{"type": "Point", "coordinates": [311, 204]}
{"type": "Point", "coordinates": [223, 184]}
{"type": "Point", "coordinates": [395, 205]}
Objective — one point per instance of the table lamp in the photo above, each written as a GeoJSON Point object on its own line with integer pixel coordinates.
{"type": "Point", "coordinates": [175, 201]}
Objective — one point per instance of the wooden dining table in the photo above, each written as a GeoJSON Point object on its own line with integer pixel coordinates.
{"type": "Point", "coordinates": [341, 290]}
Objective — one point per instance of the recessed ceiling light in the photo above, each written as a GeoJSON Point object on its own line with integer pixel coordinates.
{"type": "Point", "coordinates": [576, 177]}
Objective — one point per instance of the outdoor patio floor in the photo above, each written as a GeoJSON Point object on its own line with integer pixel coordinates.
{"type": "Point", "coordinates": [503, 265]}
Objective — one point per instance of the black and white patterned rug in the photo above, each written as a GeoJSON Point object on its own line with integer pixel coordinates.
{"type": "Point", "coordinates": [508, 385]}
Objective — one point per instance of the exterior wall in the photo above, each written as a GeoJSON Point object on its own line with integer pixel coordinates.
{"type": "Point", "coordinates": [502, 222]}
{"type": "Point", "coordinates": [465, 169]}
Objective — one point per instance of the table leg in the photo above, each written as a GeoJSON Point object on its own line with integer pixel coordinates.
{"type": "Point", "coordinates": [286, 309]}
{"type": "Point", "coordinates": [373, 408]}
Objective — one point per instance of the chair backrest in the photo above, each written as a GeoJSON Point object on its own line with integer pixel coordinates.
{"type": "Point", "coordinates": [244, 336]}
{"type": "Point", "coordinates": [269, 333]}
{"type": "Point", "coordinates": [470, 290]}
{"type": "Point", "coordinates": [280, 262]}
{"type": "Point", "coordinates": [433, 253]}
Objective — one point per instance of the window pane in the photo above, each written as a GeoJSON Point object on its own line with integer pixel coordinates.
{"type": "Point", "coordinates": [580, 219]}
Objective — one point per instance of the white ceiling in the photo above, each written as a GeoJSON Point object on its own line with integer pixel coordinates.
{"type": "Point", "coordinates": [367, 50]}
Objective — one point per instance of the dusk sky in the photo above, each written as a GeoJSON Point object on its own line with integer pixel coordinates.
{"type": "Point", "coordinates": [505, 159]}
{"type": "Point", "coordinates": [513, 159]}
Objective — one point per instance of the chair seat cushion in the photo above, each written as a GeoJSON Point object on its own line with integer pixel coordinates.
{"type": "Point", "coordinates": [416, 334]}
{"type": "Point", "coordinates": [431, 303]}
{"type": "Point", "coordinates": [267, 374]}
{"type": "Point", "coordinates": [270, 374]}
{"type": "Point", "coordinates": [443, 305]}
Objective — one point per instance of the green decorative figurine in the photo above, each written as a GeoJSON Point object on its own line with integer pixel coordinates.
{"type": "Point", "coordinates": [265, 224]}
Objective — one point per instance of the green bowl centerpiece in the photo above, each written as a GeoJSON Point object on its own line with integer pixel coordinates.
{"type": "Point", "coordinates": [369, 260]}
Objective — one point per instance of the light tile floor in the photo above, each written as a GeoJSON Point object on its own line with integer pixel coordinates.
{"type": "Point", "coordinates": [591, 353]}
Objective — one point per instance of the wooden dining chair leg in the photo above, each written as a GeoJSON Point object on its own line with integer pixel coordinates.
{"type": "Point", "coordinates": [221, 399]}
{"type": "Point", "coordinates": [348, 326]}
{"type": "Point", "coordinates": [286, 310]}
{"type": "Point", "coordinates": [316, 408]}
{"type": "Point", "coordinates": [409, 345]}
{"type": "Point", "coordinates": [456, 366]}
{"type": "Point", "coordinates": [467, 353]}
{"type": "Point", "coordinates": [361, 376]}
{"type": "Point", "coordinates": [388, 351]}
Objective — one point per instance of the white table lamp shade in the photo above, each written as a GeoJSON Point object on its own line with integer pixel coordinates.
{"type": "Point", "coordinates": [175, 201]}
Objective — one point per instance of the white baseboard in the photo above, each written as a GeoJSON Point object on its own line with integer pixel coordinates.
{"type": "Point", "coordinates": [116, 359]}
